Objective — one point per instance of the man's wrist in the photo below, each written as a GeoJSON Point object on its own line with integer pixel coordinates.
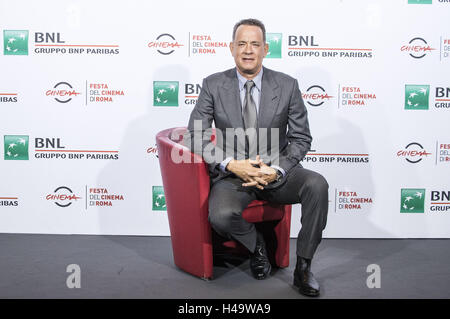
{"type": "Point", "coordinates": [224, 165]}
{"type": "Point", "coordinates": [229, 165]}
{"type": "Point", "coordinates": [278, 168]}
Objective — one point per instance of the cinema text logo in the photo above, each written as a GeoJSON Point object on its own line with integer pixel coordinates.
{"type": "Point", "coordinates": [354, 96]}
{"type": "Point", "coordinates": [165, 93]}
{"type": "Point", "coordinates": [62, 92]}
{"type": "Point", "coordinates": [159, 199]}
{"type": "Point", "coordinates": [52, 148]}
{"type": "Point", "coordinates": [274, 40]}
{"type": "Point", "coordinates": [205, 44]}
{"type": "Point", "coordinates": [153, 150]}
{"type": "Point", "coordinates": [316, 95]}
{"type": "Point", "coordinates": [9, 201]}
{"type": "Point", "coordinates": [102, 93]}
{"type": "Point", "coordinates": [101, 197]}
{"type": "Point", "coordinates": [308, 46]}
{"type": "Point", "coordinates": [53, 43]}
{"type": "Point", "coordinates": [16, 147]}
{"type": "Point", "coordinates": [62, 197]}
{"type": "Point", "coordinates": [15, 42]}
{"type": "Point", "coordinates": [413, 153]}
{"type": "Point", "coordinates": [417, 48]}
{"type": "Point", "coordinates": [351, 201]}
{"type": "Point", "coordinates": [165, 44]}
{"type": "Point", "coordinates": [313, 157]}
{"type": "Point", "coordinates": [412, 200]}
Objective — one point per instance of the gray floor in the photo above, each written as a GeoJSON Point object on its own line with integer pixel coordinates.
{"type": "Point", "coordinates": [34, 266]}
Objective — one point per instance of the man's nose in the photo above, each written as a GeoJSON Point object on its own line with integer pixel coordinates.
{"type": "Point", "coordinates": [248, 49]}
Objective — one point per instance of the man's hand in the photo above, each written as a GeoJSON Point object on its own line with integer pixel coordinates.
{"type": "Point", "coordinates": [245, 170]}
{"type": "Point", "coordinates": [258, 176]}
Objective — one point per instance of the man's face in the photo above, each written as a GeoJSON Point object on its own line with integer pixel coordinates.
{"type": "Point", "coordinates": [248, 49]}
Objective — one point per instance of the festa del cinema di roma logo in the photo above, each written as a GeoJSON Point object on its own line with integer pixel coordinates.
{"type": "Point", "coordinates": [417, 48]}
{"type": "Point", "coordinates": [316, 95]}
{"type": "Point", "coordinates": [62, 196]}
{"type": "Point", "coordinates": [165, 44]}
{"type": "Point", "coordinates": [62, 92]}
{"type": "Point", "coordinates": [413, 153]}
{"type": "Point", "coordinates": [165, 93]}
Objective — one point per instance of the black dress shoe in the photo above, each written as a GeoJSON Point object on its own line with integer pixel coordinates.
{"type": "Point", "coordinates": [259, 263]}
{"type": "Point", "coordinates": [304, 278]}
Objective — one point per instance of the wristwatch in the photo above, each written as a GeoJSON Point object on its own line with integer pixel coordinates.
{"type": "Point", "coordinates": [279, 176]}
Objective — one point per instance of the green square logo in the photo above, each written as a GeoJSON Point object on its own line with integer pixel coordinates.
{"type": "Point", "coordinates": [15, 42]}
{"type": "Point", "coordinates": [274, 41]}
{"type": "Point", "coordinates": [159, 200]}
{"type": "Point", "coordinates": [165, 93]}
{"type": "Point", "coordinates": [412, 200]}
{"type": "Point", "coordinates": [16, 147]}
{"type": "Point", "coordinates": [420, 1]}
{"type": "Point", "coordinates": [416, 97]}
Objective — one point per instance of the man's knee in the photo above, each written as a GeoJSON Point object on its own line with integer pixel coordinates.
{"type": "Point", "coordinates": [316, 184]}
{"type": "Point", "coordinates": [222, 218]}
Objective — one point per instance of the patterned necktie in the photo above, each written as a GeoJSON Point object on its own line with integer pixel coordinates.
{"type": "Point", "coordinates": [249, 111]}
{"type": "Point", "coordinates": [250, 117]}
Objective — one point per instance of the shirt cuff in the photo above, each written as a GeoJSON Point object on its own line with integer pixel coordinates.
{"type": "Point", "coordinates": [224, 164]}
{"type": "Point", "coordinates": [280, 169]}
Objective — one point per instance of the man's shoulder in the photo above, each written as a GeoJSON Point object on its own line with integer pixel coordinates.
{"type": "Point", "coordinates": [220, 76]}
{"type": "Point", "coordinates": [278, 76]}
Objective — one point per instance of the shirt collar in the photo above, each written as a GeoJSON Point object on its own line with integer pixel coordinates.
{"type": "Point", "coordinates": [257, 79]}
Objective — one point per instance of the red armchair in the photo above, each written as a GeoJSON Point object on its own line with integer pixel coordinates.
{"type": "Point", "coordinates": [186, 189]}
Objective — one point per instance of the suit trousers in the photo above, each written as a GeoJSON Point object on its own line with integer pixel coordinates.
{"type": "Point", "coordinates": [228, 198]}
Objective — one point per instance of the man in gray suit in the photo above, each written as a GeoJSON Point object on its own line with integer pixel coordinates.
{"type": "Point", "coordinates": [268, 105]}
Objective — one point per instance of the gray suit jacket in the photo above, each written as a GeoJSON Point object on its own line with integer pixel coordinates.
{"type": "Point", "coordinates": [281, 107]}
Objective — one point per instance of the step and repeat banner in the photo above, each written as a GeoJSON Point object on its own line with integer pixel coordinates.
{"type": "Point", "coordinates": [85, 86]}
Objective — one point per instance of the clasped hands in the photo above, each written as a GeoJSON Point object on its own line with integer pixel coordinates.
{"type": "Point", "coordinates": [252, 172]}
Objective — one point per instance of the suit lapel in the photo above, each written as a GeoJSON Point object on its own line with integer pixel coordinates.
{"type": "Point", "coordinates": [270, 98]}
{"type": "Point", "coordinates": [229, 95]}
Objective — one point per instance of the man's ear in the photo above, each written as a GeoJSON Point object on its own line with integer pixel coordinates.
{"type": "Point", "coordinates": [266, 49]}
{"type": "Point", "coordinates": [231, 47]}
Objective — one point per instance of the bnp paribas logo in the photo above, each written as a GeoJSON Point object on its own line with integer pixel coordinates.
{"type": "Point", "coordinates": [420, 1]}
{"type": "Point", "coordinates": [16, 147]}
{"type": "Point", "coordinates": [165, 93]}
{"type": "Point", "coordinates": [274, 41]}
{"type": "Point", "coordinates": [416, 97]}
{"type": "Point", "coordinates": [15, 42]}
{"type": "Point", "coordinates": [159, 200]}
{"type": "Point", "coordinates": [412, 200]}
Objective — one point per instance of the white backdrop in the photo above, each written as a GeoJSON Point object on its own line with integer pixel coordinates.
{"type": "Point", "coordinates": [385, 153]}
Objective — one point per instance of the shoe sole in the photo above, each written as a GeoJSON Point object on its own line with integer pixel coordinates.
{"type": "Point", "coordinates": [303, 292]}
{"type": "Point", "coordinates": [263, 276]}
